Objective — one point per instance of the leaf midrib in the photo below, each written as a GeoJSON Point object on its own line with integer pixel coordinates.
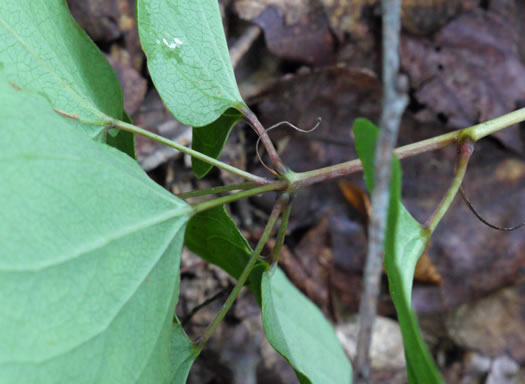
{"type": "Point", "coordinates": [97, 244]}
{"type": "Point", "coordinates": [105, 326]}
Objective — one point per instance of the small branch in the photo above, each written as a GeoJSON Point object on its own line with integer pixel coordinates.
{"type": "Point", "coordinates": [199, 207]}
{"type": "Point", "coordinates": [217, 190]}
{"type": "Point", "coordinates": [280, 168]}
{"type": "Point", "coordinates": [466, 148]}
{"type": "Point", "coordinates": [243, 44]}
{"type": "Point", "coordinates": [244, 275]}
{"type": "Point", "coordinates": [195, 154]}
{"type": "Point", "coordinates": [394, 103]}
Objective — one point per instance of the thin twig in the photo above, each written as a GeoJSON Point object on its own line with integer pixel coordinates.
{"type": "Point", "coordinates": [205, 303]}
{"type": "Point", "coordinates": [394, 103]}
{"type": "Point", "coordinates": [195, 154]}
{"type": "Point", "coordinates": [483, 220]}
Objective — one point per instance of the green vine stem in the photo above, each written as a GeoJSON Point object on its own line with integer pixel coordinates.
{"type": "Point", "coordinates": [475, 132]}
{"type": "Point", "coordinates": [466, 148]}
{"type": "Point", "coordinates": [294, 181]}
{"type": "Point", "coordinates": [195, 154]}
{"type": "Point", "coordinates": [199, 207]}
{"type": "Point", "coordinates": [217, 190]}
{"type": "Point", "coordinates": [245, 273]}
{"type": "Point", "coordinates": [482, 130]}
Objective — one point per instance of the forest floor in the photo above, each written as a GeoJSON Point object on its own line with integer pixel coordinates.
{"type": "Point", "coordinates": [297, 60]}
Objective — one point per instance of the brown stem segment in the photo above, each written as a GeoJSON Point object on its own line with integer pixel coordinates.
{"type": "Point", "coordinates": [280, 168]}
{"type": "Point", "coordinates": [394, 102]}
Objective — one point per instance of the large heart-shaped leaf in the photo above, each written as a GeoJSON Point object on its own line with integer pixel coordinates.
{"type": "Point", "coordinates": [188, 58]}
{"type": "Point", "coordinates": [405, 241]}
{"type": "Point", "coordinates": [89, 263]}
{"type": "Point", "coordinates": [44, 50]}
{"type": "Point", "coordinates": [293, 324]}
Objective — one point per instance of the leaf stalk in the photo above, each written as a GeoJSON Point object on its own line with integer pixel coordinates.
{"type": "Point", "coordinates": [245, 273]}
{"type": "Point", "coordinates": [466, 148]}
{"type": "Point", "coordinates": [195, 154]}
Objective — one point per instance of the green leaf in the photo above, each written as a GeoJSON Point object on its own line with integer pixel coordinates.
{"type": "Point", "coordinates": [405, 241]}
{"type": "Point", "coordinates": [211, 139]}
{"type": "Point", "coordinates": [297, 329]}
{"type": "Point", "coordinates": [188, 58]}
{"type": "Point", "coordinates": [89, 263]}
{"type": "Point", "coordinates": [293, 324]}
{"type": "Point", "coordinates": [213, 235]}
{"type": "Point", "coordinates": [44, 50]}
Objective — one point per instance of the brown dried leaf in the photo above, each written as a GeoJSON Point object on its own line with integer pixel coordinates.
{"type": "Point", "coordinates": [294, 29]}
{"type": "Point", "coordinates": [426, 271]}
{"type": "Point", "coordinates": [423, 17]}
{"type": "Point", "coordinates": [469, 72]}
{"type": "Point", "coordinates": [357, 198]}
{"type": "Point", "coordinates": [349, 17]}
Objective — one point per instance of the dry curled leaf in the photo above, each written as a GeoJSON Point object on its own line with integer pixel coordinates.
{"type": "Point", "coordinates": [357, 198]}
{"type": "Point", "coordinates": [426, 271]}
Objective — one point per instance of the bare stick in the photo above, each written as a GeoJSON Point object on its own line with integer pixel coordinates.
{"type": "Point", "coordinates": [394, 103]}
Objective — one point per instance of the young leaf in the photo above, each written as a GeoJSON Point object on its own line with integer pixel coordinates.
{"type": "Point", "coordinates": [188, 58]}
{"type": "Point", "coordinates": [405, 241]}
{"type": "Point", "coordinates": [44, 50]}
{"type": "Point", "coordinates": [89, 266]}
{"type": "Point", "coordinates": [210, 139]}
{"type": "Point", "coordinates": [297, 329]}
{"type": "Point", "coordinates": [293, 325]}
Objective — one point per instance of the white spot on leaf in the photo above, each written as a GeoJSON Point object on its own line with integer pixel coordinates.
{"type": "Point", "coordinates": [177, 43]}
